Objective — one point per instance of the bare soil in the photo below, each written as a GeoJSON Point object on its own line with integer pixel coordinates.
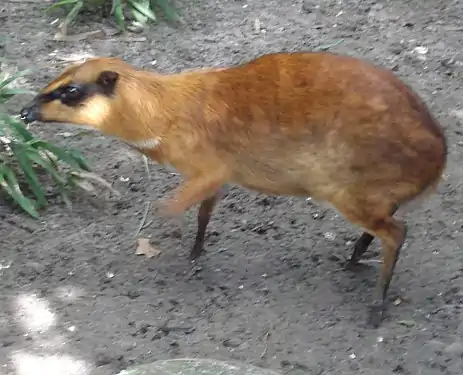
{"type": "Point", "coordinates": [271, 291]}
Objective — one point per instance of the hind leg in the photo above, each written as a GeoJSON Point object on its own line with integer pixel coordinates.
{"type": "Point", "coordinates": [377, 221]}
{"type": "Point", "coordinates": [392, 233]}
{"type": "Point", "coordinates": [361, 246]}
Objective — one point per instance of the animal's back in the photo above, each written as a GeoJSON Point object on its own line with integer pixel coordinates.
{"type": "Point", "coordinates": [315, 123]}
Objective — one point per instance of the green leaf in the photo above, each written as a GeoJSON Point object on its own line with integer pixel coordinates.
{"type": "Point", "coordinates": [20, 152]}
{"type": "Point", "coordinates": [51, 167]}
{"type": "Point", "coordinates": [119, 14]}
{"type": "Point", "coordinates": [10, 184]}
{"type": "Point", "coordinates": [66, 156]}
{"type": "Point", "coordinates": [73, 12]}
{"type": "Point", "coordinates": [6, 81]}
{"type": "Point", "coordinates": [17, 127]}
{"type": "Point", "coordinates": [35, 157]}
{"type": "Point", "coordinates": [80, 159]}
{"type": "Point", "coordinates": [60, 4]}
{"type": "Point", "coordinates": [139, 17]}
{"type": "Point", "coordinates": [168, 9]}
{"type": "Point", "coordinates": [143, 7]}
{"type": "Point", "coordinates": [12, 78]}
{"type": "Point", "coordinates": [16, 91]}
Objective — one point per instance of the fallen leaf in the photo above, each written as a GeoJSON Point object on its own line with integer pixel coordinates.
{"type": "Point", "coordinates": [144, 248]}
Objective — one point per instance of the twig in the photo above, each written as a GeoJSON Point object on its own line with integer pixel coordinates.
{"type": "Point", "coordinates": [79, 37]}
{"type": "Point", "coordinates": [145, 162]}
{"type": "Point", "coordinates": [266, 336]}
{"type": "Point", "coordinates": [10, 24]}
{"type": "Point", "coordinates": [94, 177]}
{"type": "Point", "coordinates": [325, 47]}
{"type": "Point", "coordinates": [147, 224]}
{"type": "Point", "coordinates": [142, 222]}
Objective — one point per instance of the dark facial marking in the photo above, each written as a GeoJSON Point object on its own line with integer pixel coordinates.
{"type": "Point", "coordinates": [107, 81]}
{"type": "Point", "coordinates": [71, 95]}
{"type": "Point", "coordinates": [74, 94]}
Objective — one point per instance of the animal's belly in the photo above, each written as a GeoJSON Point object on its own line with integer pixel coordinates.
{"type": "Point", "coordinates": [274, 184]}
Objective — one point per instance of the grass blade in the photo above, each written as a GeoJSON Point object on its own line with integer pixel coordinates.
{"type": "Point", "coordinates": [21, 155]}
{"type": "Point", "coordinates": [142, 7]}
{"type": "Point", "coordinates": [60, 153]}
{"type": "Point", "coordinates": [17, 127]}
{"type": "Point", "coordinates": [80, 159]}
{"type": "Point", "coordinates": [52, 169]}
{"type": "Point", "coordinates": [60, 4]}
{"type": "Point", "coordinates": [119, 14]}
{"type": "Point", "coordinates": [140, 17]}
{"type": "Point", "coordinates": [12, 78]}
{"type": "Point", "coordinates": [15, 91]}
{"type": "Point", "coordinates": [10, 184]}
{"type": "Point", "coordinates": [170, 12]}
{"type": "Point", "coordinates": [35, 157]}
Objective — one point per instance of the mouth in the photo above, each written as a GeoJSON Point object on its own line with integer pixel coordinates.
{"type": "Point", "coordinates": [29, 115]}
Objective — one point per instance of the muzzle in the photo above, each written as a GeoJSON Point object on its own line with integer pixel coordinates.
{"type": "Point", "coordinates": [30, 113]}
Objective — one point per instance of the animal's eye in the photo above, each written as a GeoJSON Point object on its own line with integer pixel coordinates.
{"type": "Point", "coordinates": [70, 91]}
{"type": "Point", "coordinates": [72, 94]}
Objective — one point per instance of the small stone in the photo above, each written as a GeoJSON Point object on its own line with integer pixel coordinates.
{"type": "Point", "coordinates": [421, 50]}
{"type": "Point", "coordinates": [396, 48]}
{"type": "Point", "coordinates": [135, 27]}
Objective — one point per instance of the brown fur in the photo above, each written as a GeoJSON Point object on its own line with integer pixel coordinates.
{"type": "Point", "coordinates": [331, 127]}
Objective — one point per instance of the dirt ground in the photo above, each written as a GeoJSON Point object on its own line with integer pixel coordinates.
{"type": "Point", "coordinates": [75, 299]}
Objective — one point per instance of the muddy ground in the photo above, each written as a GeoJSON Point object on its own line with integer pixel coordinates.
{"type": "Point", "coordinates": [75, 299]}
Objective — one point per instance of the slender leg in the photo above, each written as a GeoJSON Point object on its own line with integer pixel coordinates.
{"type": "Point", "coordinates": [204, 215]}
{"type": "Point", "coordinates": [360, 246]}
{"type": "Point", "coordinates": [376, 219]}
{"type": "Point", "coordinates": [392, 233]}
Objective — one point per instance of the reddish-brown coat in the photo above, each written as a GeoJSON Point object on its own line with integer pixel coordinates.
{"type": "Point", "coordinates": [331, 127]}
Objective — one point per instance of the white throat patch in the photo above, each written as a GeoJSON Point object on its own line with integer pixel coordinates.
{"type": "Point", "coordinates": [146, 144]}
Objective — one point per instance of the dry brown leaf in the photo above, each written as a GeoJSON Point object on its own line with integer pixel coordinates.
{"type": "Point", "coordinates": [144, 248]}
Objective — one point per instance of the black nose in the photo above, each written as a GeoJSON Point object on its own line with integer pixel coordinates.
{"type": "Point", "coordinates": [29, 114]}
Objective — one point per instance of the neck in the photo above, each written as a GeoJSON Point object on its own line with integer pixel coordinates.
{"type": "Point", "coordinates": [158, 115]}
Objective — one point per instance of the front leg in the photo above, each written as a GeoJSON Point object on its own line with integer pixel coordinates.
{"type": "Point", "coordinates": [193, 191]}
{"type": "Point", "coordinates": [204, 215]}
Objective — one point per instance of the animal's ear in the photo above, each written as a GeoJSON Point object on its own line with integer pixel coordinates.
{"type": "Point", "coordinates": [107, 81]}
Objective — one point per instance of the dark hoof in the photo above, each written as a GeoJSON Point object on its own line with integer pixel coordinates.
{"type": "Point", "coordinates": [350, 265]}
{"type": "Point", "coordinates": [354, 265]}
{"type": "Point", "coordinates": [195, 253]}
{"type": "Point", "coordinates": [376, 314]}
